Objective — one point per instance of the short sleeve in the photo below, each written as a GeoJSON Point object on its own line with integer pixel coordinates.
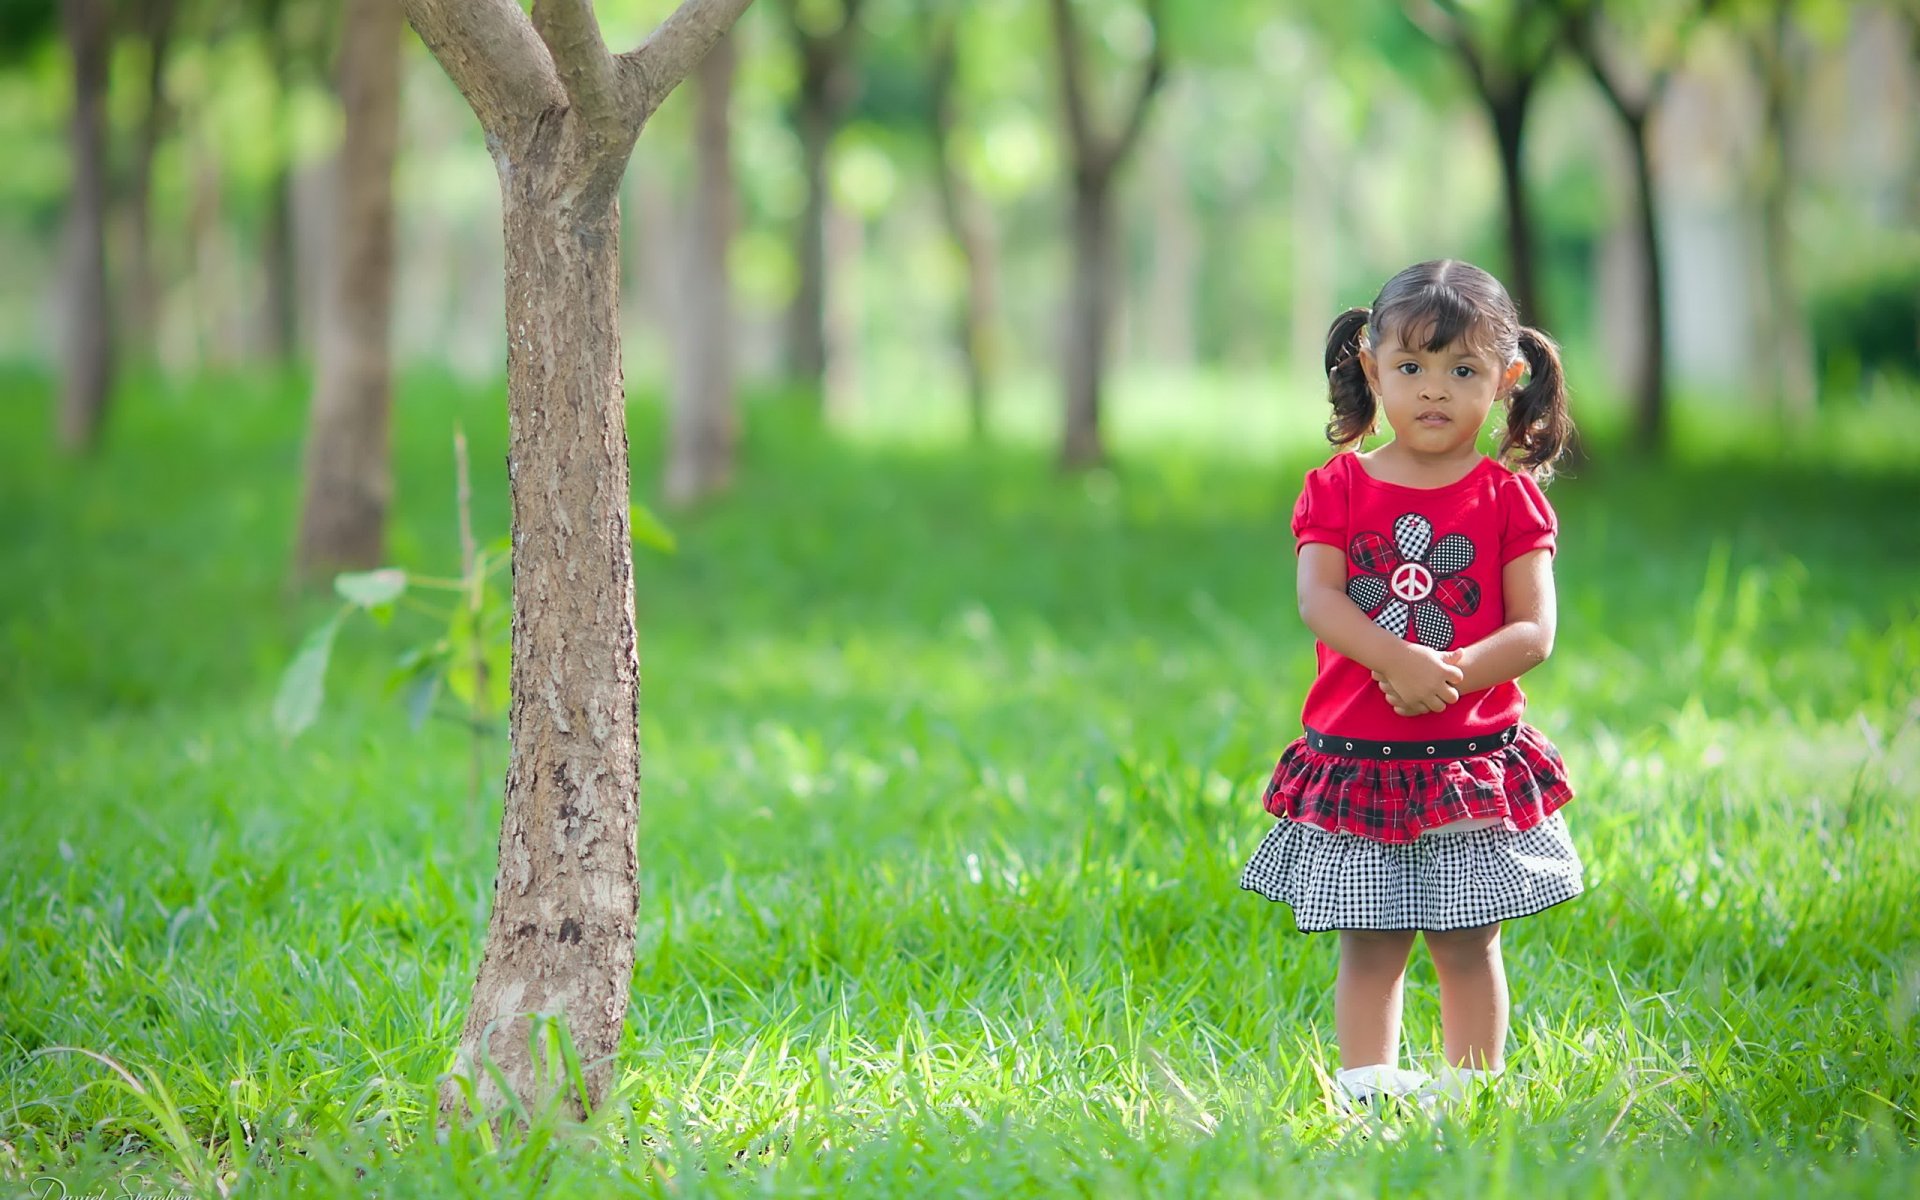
{"type": "Point", "coordinates": [1320, 515]}
{"type": "Point", "coordinates": [1528, 521]}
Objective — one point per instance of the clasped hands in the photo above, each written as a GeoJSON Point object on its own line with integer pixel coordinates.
{"type": "Point", "coordinates": [1423, 681]}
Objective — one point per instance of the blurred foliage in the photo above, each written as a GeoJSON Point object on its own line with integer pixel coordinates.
{"type": "Point", "coordinates": [1407, 168]}
{"type": "Point", "coordinates": [1864, 312]}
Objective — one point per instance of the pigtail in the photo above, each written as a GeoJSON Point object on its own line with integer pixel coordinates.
{"type": "Point", "coordinates": [1538, 426]}
{"type": "Point", "coordinates": [1353, 404]}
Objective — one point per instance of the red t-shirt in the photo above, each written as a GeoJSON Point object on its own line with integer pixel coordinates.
{"type": "Point", "coordinates": [1424, 563]}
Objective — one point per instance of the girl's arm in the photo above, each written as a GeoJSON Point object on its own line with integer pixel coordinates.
{"type": "Point", "coordinates": [1422, 678]}
{"type": "Point", "coordinates": [1526, 640]}
{"type": "Point", "coordinates": [1510, 651]}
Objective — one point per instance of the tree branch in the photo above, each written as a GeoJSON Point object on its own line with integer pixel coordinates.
{"type": "Point", "coordinates": [1073, 83]}
{"type": "Point", "coordinates": [657, 65]}
{"type": "Point", "coordinates": [1443, 21]}
{"type": "Point", "coordinates": [491, 52]}
{"type": "Point", "coordinates": [586, 70]}
{"type": "Point", "coordinates": [1150, 81]}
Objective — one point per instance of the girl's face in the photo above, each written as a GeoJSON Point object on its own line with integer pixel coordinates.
{"type": "Point", "coordinates": [1436, 401]}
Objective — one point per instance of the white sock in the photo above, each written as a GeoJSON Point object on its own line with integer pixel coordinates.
{"type": "Point", "coordinates": [1457, 1083]}
{"type": "Point", "coordinates": [1379, 1079]}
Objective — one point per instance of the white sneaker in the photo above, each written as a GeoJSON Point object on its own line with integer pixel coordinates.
{"type": "Point", "coordinates": [1457, 1085]}
{"type": "Point", "coordinates": [1377, 1086]}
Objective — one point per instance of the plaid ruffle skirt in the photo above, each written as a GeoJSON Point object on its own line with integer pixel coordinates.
{"type": "Point", "coordinates": [1519, 784]}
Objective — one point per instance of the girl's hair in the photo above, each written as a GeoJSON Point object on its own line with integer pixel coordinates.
{"type": "Point", "coordinates": [1450, 299]}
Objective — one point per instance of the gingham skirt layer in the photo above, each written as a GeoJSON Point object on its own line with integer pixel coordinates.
{"type": "Point", "coordinates": [1394, 800]}
{"type": "Point", "coordinates": [1440, 882]}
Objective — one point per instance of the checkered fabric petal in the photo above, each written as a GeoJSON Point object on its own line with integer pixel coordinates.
{"type": "Point", "coordinates": [1452, 555]}
{"type": "Point", "coordinates": [1440, 882]}
{"type": "Point", "coordinates": [1373, 552]}
{"type": "Point", "coordinates": [1393, 618]}
{"type": "Point", "coordinates": [1368, 591]}
{"type": "Point", "coordinates": [1392, 800]}
{"type": "Point", "coordinates": [1431, 627]}
{"type": "Point", "coordinates": [1412, 536]}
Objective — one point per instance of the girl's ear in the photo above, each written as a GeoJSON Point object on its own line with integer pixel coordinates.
{"type": "Point", "coordinates": [1515, 369]}
{"type": "Point", "coordinates": [1370, 367]}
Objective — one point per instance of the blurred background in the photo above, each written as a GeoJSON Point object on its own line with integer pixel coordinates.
{"type": "Point", "coordinates": [946, 747]}
{"type": "Point", "coordinates": [899, 206]}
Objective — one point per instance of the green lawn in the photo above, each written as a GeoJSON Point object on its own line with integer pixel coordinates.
{"type": "Point", "coordinates": [950, 766]}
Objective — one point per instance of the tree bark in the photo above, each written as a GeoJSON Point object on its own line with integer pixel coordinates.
{"type": "Point", "coordinates": [1089, 320]}
{"type": "Point", "coordinates": [1782, 314]}
{"type": "Point", "coordinates": [561, 115]}
{"type": "Point", "coordinates": [1649, 388]}
{"type": "Point", "coordinates": [1505, 66]}
{"type": "Point", "coordinates": [87, 339]}
{"type": "Point", "coordinates": [1509, 115]}
{"type": "Point", "coordinates": [700, 460]}
{"type": "Point", "coordinates": [143, 296]}
{"type": "Point", "coordinates": [968, 228]}
{"type": "Point", "coordinates": [348, 471]}
{"type": "Point", "coordinates": [826, 92]}
{"type": "Point", "coordinates": [1096, 160]}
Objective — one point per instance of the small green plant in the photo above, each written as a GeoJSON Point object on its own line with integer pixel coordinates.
{"type": "Point", "coordinates": [460, 672]}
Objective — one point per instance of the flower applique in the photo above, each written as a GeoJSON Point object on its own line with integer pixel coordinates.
{"type": "Point", "coordinates": [1412, 579]}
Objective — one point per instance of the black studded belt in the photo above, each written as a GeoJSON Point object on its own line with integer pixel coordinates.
{"type": "Point", "coordinates": [1328, 743]}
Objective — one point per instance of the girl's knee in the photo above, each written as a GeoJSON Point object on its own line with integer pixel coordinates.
{"type": "Point", "coordinates": [1370, 945]}
{"type": "Point", "coordinates": [1464, 947]}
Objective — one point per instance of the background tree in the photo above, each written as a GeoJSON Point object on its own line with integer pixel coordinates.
{"type": "Point", "coordinates": [155, 21]}
{"type": "Point", "coordinates": [348, 473]}
{"type": "Point", "coordinates": [1506, 47]}
{"type": "Point", "coordinates": [705, 417]}
{"type": "Point", "coordinates": [1773, 42]}
{"type": "Point", "coordinates": [825, 37]}
{"type": "Point", "coordinates": [968, 222]}
{"type": "Point", "coordinates": [1095, 159]}
{"type": "Point", "coordinates": [1632, 48]}
{"type": "Point", "coordinates": [87, 339]}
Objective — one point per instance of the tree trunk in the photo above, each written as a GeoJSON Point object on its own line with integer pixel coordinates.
{"type": "Point", "coordinates": [561, 937]}
{"type": "Point", "coordinates": [700, 461]}
{"type": "Point", "coordinates": [88, 335]}
{"type": "Point", "coordinates": [1172, 300]}
{"type": "Point", "coordinates": [348, 473]}
{"type": "Point", "coordinates": [1089, 318]}
{"type": "Point", "coordinates": [1782, 314]}
{"type": "Point", "coordinates": [846, 246]}
{"type": "Point", "coordinates": [1509, 115]}
{"type": "Point", "coordinates": [561, 114]}
{"type": "Point", "coordinates": [807, 317]}
{"type": "Point", "coordinates": [968, 228]}
{"type": "Point", "coordinates": [1649, 386]}
{"type": "Point", "coordinates": [1315, 211]}
{"type": "Point", "coordinates": [278, 327]}
{"type": "Point", "coordinates": [280, 321]}
{"type": "Point", "coordinates": [143, 298]}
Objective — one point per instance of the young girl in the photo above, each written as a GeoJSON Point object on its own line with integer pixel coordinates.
{"type": "Point", "coordinates": [1417, 800]}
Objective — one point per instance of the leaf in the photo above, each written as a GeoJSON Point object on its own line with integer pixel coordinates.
{"type": "Point", "coordinates": [371, 589]}
{"type": "Point", "coordinates": [298, 701]}
{"type": "Point", "coordinates": [648, 530]}
{"type": "Point", "coordinates": [420, 698]}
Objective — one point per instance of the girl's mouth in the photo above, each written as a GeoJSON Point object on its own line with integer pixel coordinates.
{"type": "Point", "coordinates": [1433, 418]}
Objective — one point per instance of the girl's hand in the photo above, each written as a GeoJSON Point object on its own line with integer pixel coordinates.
{"type": "Point", "coordinates": [1425, 681]}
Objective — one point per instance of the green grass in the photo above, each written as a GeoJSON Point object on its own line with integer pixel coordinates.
{"type": "Point", "coordinates": [949, 769]}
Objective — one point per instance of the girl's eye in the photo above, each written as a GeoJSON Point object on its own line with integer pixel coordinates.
{"type": "Point", "coordinates": [1463, 372]}
{"type": "Point", "coordinates": [1409, 368]}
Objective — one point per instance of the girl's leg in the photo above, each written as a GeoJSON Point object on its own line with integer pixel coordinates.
{"type": "Point", "coordinates": [1473, 995]}
{"type": "Point", "coordinates": [1366, 998]}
